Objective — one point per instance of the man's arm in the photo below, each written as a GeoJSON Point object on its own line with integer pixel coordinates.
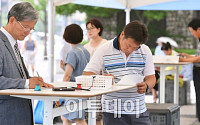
{"type": "Point", "coordinates": [148, 80]}
{"type": "Point", "coordinates": [193, 59]}
{"type": "Point", "coordinates": [186, 55]}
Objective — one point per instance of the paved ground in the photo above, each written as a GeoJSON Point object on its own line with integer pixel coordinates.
{"type": "Point", "coordinates": [187, 112]}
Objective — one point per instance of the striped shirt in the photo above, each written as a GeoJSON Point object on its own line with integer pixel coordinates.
{"type": "Point", "coordinates": [109, 57]}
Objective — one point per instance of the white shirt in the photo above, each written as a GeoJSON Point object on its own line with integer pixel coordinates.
{"type": "Point", "coordinates": [92, 49]}
{"type": "Point", "coordinates": [13, 42]}
{"type": "Point", "coordinates": [109, 57]}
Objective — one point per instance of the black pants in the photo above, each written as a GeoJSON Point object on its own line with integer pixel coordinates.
{"type": "Point", "coordinates": [157, 74]}
{"type": "Point", "coordinates": [126, 119]}
{"type": "Point", "coordinates": [196, 79]}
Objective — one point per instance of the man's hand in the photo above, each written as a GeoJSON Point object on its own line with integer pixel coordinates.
{"type": "Point", "coordinates": [112, 77]}
{"type": "Point", "coordinates": [38, 80]}
{"type": "Point", "coordinates": [141, 87]}
{"type": "Point", "coordinates": [181, 59]}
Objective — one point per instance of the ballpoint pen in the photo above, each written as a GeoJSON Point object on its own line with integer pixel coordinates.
{"type": "Point", "coordinates": [107, 71]}
{"type": "Point", "coordinates": [113, 76]}
{"type": "Point", "coordinates": [38, 74]}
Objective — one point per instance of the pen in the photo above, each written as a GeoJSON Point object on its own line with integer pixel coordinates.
{"type": "Point", "coordinates": [109, 73]}
{"type": "Point", "coordinates": [38, 74]}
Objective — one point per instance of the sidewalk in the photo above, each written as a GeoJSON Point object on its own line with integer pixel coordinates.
{"type": "Point", "coordinates": [188, 115]}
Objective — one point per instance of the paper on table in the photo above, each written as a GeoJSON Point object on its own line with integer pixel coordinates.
{"type": "Point", "coordinates": [130, 80]}
{"type": "Point", "coordinates": [166, 59]}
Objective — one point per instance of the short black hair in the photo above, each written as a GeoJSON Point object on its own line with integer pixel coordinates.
{"type": "Point", "coordinates": [195, 24]}
{"type": "Point", "coordinates": [97, 24]}
{"type": "Point", "coordinates": [166, 46]}
{"type": "Point", "coordinates": [73, 34]}
{"type": "Point", "coordinates": [137, 31]}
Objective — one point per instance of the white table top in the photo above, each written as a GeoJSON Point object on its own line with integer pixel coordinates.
{"type": "Point", "coordinates": [168, 63]}
{"type": "Point", "coordinates": [49, 92]}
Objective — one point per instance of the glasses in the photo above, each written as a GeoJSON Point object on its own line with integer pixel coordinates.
{"type": "Point", "coordinates": [136, 48]}
{"type": "Point", "coordinates": [25, 28]}
{"type": "Point", "coordinates": [89, 29]}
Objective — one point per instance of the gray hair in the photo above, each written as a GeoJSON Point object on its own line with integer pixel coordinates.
{"type": "Point", "coordinates": [23, 11]}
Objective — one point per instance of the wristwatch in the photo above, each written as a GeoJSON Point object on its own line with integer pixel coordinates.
{"type": "Point", "coordinates": [147, 89]}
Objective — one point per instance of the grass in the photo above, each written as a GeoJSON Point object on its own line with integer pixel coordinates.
{"type": "Point", "coordinates": [188, 51]}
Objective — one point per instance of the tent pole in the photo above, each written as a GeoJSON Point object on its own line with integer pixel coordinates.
{"type": "Point", "coordinates": [51, 24]}
{"type": "Point", "coordinates": [128, 11]}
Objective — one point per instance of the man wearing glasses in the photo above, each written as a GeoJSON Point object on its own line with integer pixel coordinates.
{"type": "Point", "coordinates": [125, 55]}
{"type": "Point", "coordinates": [13, 74]}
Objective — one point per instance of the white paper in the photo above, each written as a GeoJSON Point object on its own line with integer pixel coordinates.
{"type": "Point", "coordinates": [130, 80]}
{"type": "Point", "coordinates": [166, 59]}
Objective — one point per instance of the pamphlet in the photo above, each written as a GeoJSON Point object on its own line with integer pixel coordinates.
{"type": "Point", "coordinates": [130, 80]}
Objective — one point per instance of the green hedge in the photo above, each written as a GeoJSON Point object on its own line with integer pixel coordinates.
{"type": "Point", "coordinates": [188, 51]}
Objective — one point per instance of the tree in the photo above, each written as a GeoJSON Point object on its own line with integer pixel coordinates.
{"type": "Point", "coordinates": [151, 15]}
{"type": "Point", "coordinates": [70, 8]}
{"type": "Point", "coordinates": [41, 6]}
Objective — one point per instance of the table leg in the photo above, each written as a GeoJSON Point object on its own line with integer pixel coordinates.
{"type": "Point", "coordinates": [92, 114]}
{"type": "Point", "coordinates": [162, 85]}
{"type": "Point", "coordinates": [176, 85]}
{"type": "Point", "coordinates": [48, 112]}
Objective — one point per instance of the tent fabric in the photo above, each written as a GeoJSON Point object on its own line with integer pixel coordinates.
{"type": "Point", "coordinates": [173, 5]}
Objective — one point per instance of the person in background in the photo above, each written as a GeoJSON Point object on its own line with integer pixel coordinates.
{"type": "Point", "coordinates": [30, 50]}
{"type": "Point", "coordinates": [167, 49]}
{"type": "Point", "coordinates": [194, 28]}
{"type": "Point", "coordinates": [22, 18]}
{"type": "Point", "coordinates": [64, 50]}
{"type": "Point", "coordinates": [158, 51]}
{"type": "Point", "coordinates": [125, 55]}
{"type": "Point", "coordinates": [63, 54]}
{"type": "Point", "coordinates": [76, 60]}
{"type": "Point", "coordinates": [94, 31]}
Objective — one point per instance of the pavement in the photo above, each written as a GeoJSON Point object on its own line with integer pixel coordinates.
{"type": "Point", "coordinates": [187, 112]}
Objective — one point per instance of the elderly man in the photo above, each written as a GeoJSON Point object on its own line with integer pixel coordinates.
{"type": "Point", "coordinates": [22, 18]}
{"type": "Point", "coordinates": [194, 27]}
{"type": "Point", "coordinates": [125, 55]}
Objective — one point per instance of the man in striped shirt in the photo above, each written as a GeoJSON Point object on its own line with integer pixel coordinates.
{"type": "Point", "coordinates": [125, 55]}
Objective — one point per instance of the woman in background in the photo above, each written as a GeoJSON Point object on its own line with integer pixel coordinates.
{"type": "Point", "coordinates": [29, 51]}
{"type": "Point", "coordinates": [94, 32]}
{"type": "Point", "coordinates": [167, 49]}
{"type": "Point", "coordinates": [76, 60]}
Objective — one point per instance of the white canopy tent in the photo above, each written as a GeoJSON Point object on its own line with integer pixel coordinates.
{"type": "Point", "coordinates": [127, 5]}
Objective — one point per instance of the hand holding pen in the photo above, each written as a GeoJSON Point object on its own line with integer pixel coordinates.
{"type": "Point", "coordinates": [38, 80]}
{"type": "Point", "coordinates": [38, 74]}
{"type": "Point", "coordinates": [108, 74]}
